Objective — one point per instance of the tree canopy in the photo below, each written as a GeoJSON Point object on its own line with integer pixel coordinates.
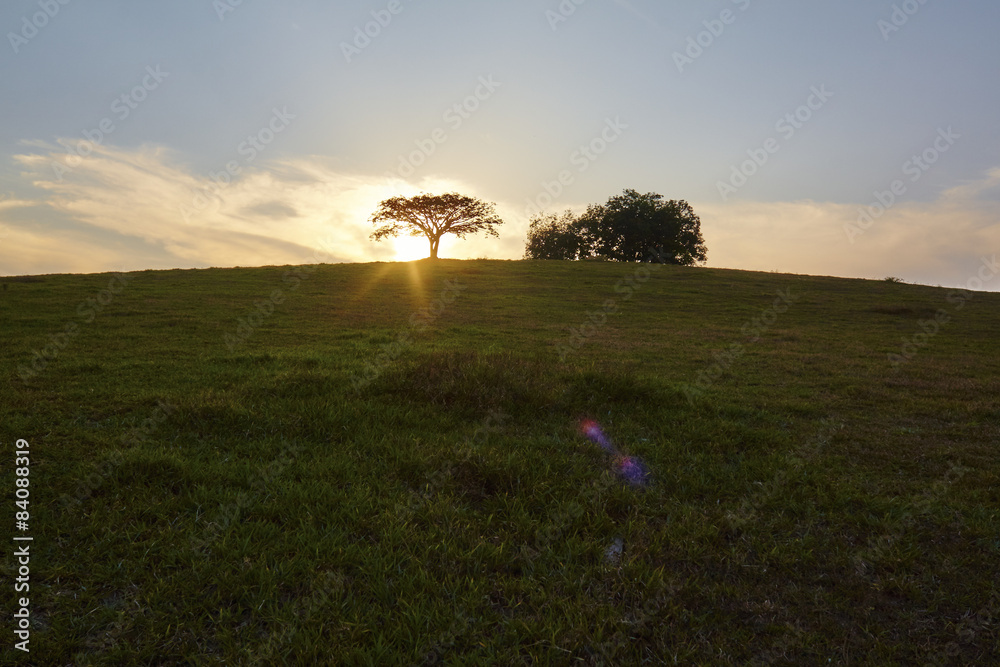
{"type": "Point", "coordinates": [629, 227]}
{"type": "Point", "coordinates": [434, 216]}
{"type": "Point", "coordinates": [552, 236]}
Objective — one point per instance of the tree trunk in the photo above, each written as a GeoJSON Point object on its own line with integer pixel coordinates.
{"type": "Point", "coordinates": [434, 247]}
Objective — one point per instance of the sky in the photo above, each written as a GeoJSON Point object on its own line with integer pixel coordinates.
{"type": "Point", "coordinates": [853, 138]}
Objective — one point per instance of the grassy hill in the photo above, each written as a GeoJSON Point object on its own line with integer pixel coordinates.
{"type": "Point", "coordinates": [384, 464]}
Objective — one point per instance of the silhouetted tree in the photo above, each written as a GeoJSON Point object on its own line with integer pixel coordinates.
{"type": "Point", "coordinates": [628, 228]}
{"type": "Point", "coordinates": [552, 236]}
{"type": "Point", "coordinates": [434, 216]}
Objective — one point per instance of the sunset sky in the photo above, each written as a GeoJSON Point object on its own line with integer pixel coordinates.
{"type": "Point", "coordinates": [198, 133]}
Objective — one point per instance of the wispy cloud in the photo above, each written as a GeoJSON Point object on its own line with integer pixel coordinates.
{"type": "Point", "coordinates": [123, 209]}
{"type": "Point", "coordinates": [986, 189]}
{"type": "Point", "coordinates": [281, 213]}
{"type": "Point", "coordinates": [938, 242]}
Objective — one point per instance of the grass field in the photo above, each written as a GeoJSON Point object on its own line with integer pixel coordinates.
{"type": "Point", "coordinates": [383, 464]}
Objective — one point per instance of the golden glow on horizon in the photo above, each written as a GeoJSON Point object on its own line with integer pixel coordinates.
{"type": "Point", "coordinates": [284, 216]}
{"type": "Point", "coordinates": [409, 248]}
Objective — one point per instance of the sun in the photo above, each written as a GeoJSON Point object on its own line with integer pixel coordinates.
{"type": "Point", "coordinates": [409, 248]}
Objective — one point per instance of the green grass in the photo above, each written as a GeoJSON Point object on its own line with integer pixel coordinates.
{"type": "Point", "coordinates": [358, 480]}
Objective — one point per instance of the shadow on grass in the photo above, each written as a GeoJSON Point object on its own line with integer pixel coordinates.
{"type": "Point", "coordinates": [475, 383]}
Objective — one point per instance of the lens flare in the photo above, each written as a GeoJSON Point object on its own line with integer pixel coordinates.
{"type": "Point", "coordinates": [593, 431]}
{"type": "Point", "coordinates": [633, 470]}
{"type": "Point", "coordinates": [630, 468]}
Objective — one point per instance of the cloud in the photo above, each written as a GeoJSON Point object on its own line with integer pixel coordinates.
{"type": "Point", "coordinates": [27, 252]}
{"type": "Point", "coordinates": [272, 209]}
{"type": "Point", "coordinates": [987, 189]}
{"type": "Point", "coordinates": [126, 209]}
{"type": "Point", "coordinates": [295, 211]}
{"type": "Point", "coordinates": [7, 204]}
{"type": "Point", "coordinates": [939, 242]}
